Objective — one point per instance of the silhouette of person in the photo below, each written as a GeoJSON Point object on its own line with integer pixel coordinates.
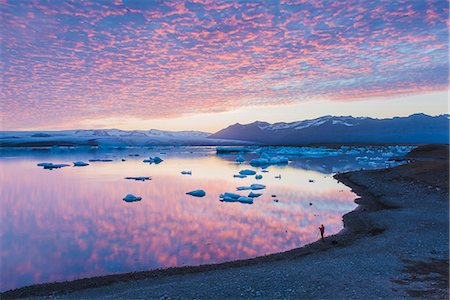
{"type": "Point", "coordinates": [322, 230]}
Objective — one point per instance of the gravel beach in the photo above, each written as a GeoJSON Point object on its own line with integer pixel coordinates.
{"type": "Point", "coordinates": [394, 245]}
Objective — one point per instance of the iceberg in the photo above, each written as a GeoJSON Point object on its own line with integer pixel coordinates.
{"type": "Point", "coordinates": [254, 195]}
{"type": "Point", "coordinates": [186, 172]}
{"type": "Point", "coordinates": [257, 186]}
{"type": "Point", "coordinates": [258, 177]}
{"type": "Point", "coordinates": [243, 188]}
{"type": "Point", "coordinates": [239, 176]}
{"type": "Point", "coordinates": [229, 197]}
{"type": "Point", "coordinates": [51, 166]}
{"type": "Point", "coordinates": [155, 160]}
{"type": "Point", "coordinates": [278, 160]}
{"type": "Point", "coordinates": [247, 172]}
{"type": "Point", "coordinates": [141, 178]}
{"type": "Point", "coordinates": [131, 198]}
{"type": "Point", "coordinates": [240, 159]}
{"type": "Point", "coordinates": [254, 186]}
{"type": "Point", "coordinates": [197, 193]}
{"type": "Point", "coordinates": [259, 162]}
{"type": "Point", "coordinates": [246, 200]}
{"type": "Point", "coordinates": [80, 164]}
{"type": "Point", "coordinates": [264, 171]}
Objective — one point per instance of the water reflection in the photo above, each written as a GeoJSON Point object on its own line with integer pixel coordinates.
{"type": "Point", "coordinates": [71, 222]}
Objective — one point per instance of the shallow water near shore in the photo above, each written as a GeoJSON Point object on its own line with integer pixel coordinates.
{"type": "Point", "coordinates": [70, 223]}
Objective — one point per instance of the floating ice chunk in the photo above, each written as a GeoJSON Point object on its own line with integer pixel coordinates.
{"type": "Point", "coordinates": [240, 159]}
{"type": "Point", "coordinates": [228, 199]}
{"type": "Point", "coordinates": [257, 186]}
{"type": "Point", "coordinates": [186, 172]}
{"type": "Point", "coordinates": [100, 160]}
{"type": "Point", "coordinates": [258, 177]}
{"type": "Point", "coordinates": [264, 171]}
{"type": "Point", "coordinates": [131, 198]}
{"type": "Point", "coordinates": [254, 195]}
{"type": "Point", "coordinates": [197, 193]}
{"type": "Point", "coordinates": [246, 200]}
{"type": "Point", "coordinates": [264, 155]}
{"type": "Point", "coordinates": [80, 164]}
{"type": "Point", "coordinates": [155, 160]}
{"type": "Point", "coordinates": [139, 178]}
{"type": "Point", "coordinates": [44, 164]}
{"type": "Point", "coordinates": [51, 166]}
{"type": "Point", "coordinates": [259, 162]}
{"type": "Point", "coordinates": [229, 195]}
{"type": "Point", "coordinates": [247, 172]}
{"type": "Point", "coordinates": [239, 176]}
{"type": "Point", "coordinates": [243, 188]}
{"type": "Point", "coordinates": [277, 160]}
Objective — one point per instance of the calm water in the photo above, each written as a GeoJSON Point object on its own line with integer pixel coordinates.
{"type": "Point", "coordinates": [70, 223]}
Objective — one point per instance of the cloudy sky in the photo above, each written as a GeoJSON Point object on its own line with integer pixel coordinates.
{"type": "Point", "coordinates": [204, 64]}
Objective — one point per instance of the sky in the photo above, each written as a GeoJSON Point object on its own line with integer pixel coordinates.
{"type": "Point", "coordinates": [204, 64]}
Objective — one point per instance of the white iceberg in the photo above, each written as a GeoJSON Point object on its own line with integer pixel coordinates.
{"type": "Point", "coordinates": [257, 186]}
{"type": "Point", "coordinates": [247, 172]}
{"type": "Point", "coordinates": [155, 160]}
{"type": "Point", "coordinates": [246, 200]}
{"type": "Point", "coordinates": [254, 186]}
{"type": "Point", "coordinates": [139, 178]}
{"type": "Point", "coordinates": [80, 164]}
{"type": "Point", "coordinates": [240, 159]}
{"type": "Point", "coordinates": [277, 160]}
{"type": "Point", "coordinates": [243, 188]}
{"type": "Point", "coordinates": [51, 166]}
{"type": "Point", "coordinates": [229, 197]}
{"type": "Point", "coordinates": [254, 195]}
{"type": "Point", "coordinates": [131, 198]}
{"type": "Point", "coordinates": [259, 162]}
{"type": "Point", "coordinates": [186, 172]}
{"type": "Point", "coordinates": [239, 176]}
{"type": "Point", "coordinates": [197, 193]}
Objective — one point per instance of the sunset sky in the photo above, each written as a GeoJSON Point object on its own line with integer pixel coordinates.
{"type": "Point", "coordinates": [205, 64]}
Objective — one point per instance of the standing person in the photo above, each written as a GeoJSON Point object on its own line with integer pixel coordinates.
{"type": "Point", "coordinates": [322, 230]}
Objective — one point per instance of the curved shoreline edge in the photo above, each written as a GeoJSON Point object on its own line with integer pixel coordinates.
{"type": "Point", "coordinates": [357, 224]}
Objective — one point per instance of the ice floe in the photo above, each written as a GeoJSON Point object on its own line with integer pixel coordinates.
{"type": "Point", "coordinates": [153, 160]}
{"type": "Point", "coordinates": [254, 186]}
{"type": "Point", "coordinates": [131, 198]}
{"type": "Point", "coordinates": [247, 172]}
{"type": "Point", "coordinates": [239, 176]}
{"type": "Point", "coordinates": [240, 159]}
{"type": "Point", "coordinates": [139, 178]}
{"type": "Point", "coordinates": [197, 193]}
{"type": "Point", "coordinates": [186, 172]}
{"type": "Point", "coordinates": [80, 164]}
{"type": "Point", "coordinates": [253, 195]}
{"type": "Point", "coordinates": [51, 166]}
{"type": "Point", "coordinates": [231, 197]}
{"type": "Point", "coordinates": [258, 177]}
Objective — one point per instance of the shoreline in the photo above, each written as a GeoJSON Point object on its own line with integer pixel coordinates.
{"type": "Point", "coordinates": [358, 224]}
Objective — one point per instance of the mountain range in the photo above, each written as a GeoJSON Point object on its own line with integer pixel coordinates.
{"type": "Point", "coordinates": [415, 129]}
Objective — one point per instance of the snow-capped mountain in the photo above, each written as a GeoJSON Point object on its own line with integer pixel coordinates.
{"type": "Point", "coordinates": [108, 137]}
{"type": "Point", "coordinates": [417, 128]}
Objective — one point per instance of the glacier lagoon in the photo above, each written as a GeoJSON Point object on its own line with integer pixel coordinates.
{"type": "Point", "coordinates": [71, 222]}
